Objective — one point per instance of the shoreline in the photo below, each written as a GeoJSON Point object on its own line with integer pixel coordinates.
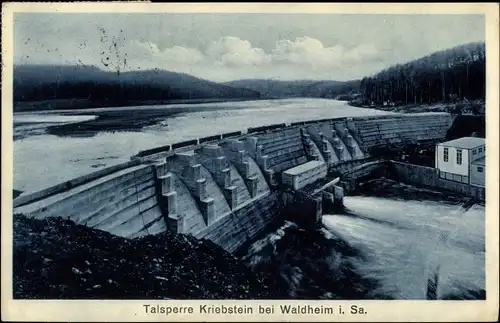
{"type": "Point", "coordinates": [130, 118]}
{"type": "Point", "coordinates": [85, 104]}
{"type": "Point", "coordinates": [424, 107]}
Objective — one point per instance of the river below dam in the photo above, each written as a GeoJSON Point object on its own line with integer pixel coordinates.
{"type": "Point", "coordinates": [379, 248]}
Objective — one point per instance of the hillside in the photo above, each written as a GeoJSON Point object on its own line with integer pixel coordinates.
{"type": "Point", "coordinates": [101, 88]}
{"type": "Point", "coordinates": [57, 259]}
{"type": "Point", "coordinates": [272, 89]}
{"type": "Point", "coordinates": [452, 75]}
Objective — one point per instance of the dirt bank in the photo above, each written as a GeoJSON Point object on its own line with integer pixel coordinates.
{"type": "Point", "coordinates": [387, 188]}
{"type": "Point", "coordinates": [127, 118]}
{"type": "Point", "coordinates": [57, 259]}
{"type": "Point", "coordinates": [122, 120]}
{"type": "Point", "coordinates": [79, 104]}
{"type": "Point", "coordinates": [475, 107]}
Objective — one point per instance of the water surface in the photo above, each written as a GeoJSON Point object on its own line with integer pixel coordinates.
{"type": "Point", "coordinates": [42, 160]}
{"type": "Point", "coordinates": [379, 248]}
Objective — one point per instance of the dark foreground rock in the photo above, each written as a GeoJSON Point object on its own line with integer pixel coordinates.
{"type": "Point", "coordinates": [57, 259]}
{"type": "Point", "coordinates": [309, 264]}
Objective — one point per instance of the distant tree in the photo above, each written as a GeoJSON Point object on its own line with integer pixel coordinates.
{"type": "Point", "coordinates": [449, 75]}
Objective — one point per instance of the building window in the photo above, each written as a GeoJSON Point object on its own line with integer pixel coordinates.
{"type": "Point", "coordinates": [445, 156]}
{"type": "Point", "coordinates": [474, 152]}
{"type": "Point", "coordinates": [480, 150]}
{"type": "Point", "coordinates": [459, 157]}
{"type": "Point", "coordinates": [480, 169]}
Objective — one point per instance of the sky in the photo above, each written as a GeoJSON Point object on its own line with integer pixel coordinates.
{"type": "Point", "coordinates": [224, 47]}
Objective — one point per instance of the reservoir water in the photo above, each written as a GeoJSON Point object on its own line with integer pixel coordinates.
{"type": "Point", "coordinates": [42, 159]}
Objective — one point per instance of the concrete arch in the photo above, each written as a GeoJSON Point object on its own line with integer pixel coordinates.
{"type": "Point", "coordinates": [200, 183]}
{"type": "Point", "coordinates": [218, 166]}
{"type": "Point", "coordinates": [187, 207]}
{"type": "Point", "coordinates": [338, 139]}
{"type": "Point", "coordinates": [280, 150]}
{"type": "Point", "coordinates": [241, 155]}
{"type": "Point", "coordinates": [241, 187]}
{"type": "Point", "coordinates": [221, 206]}
{"type": "Point", "coordinates": [324, 145]}
{"type": "Point", "coordinates": [254, 170]}
{"type": "Point", "coordinates": [326, 129]}
{"type": "Point", "coordinates": [316, 152]}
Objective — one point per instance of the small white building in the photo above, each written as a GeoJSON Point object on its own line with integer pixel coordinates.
{"type": "Point", "coordinates": [456, 158]}
{"type": "Point", "coordinates": [477, 172]}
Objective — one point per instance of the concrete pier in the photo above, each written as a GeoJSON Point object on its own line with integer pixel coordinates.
{"type": "Point", "coordinates": [303, 209]}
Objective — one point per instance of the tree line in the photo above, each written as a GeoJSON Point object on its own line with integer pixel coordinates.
{"type": "Point", "coordinates": [99, 91]}
{"type": "Point", "coordinates": [454, 74]}
{"type": "Point", "coordinates": [38, 83]}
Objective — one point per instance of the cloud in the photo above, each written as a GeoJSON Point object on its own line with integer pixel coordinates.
{"type": "Point", "coordinates": [182, 55]}
{"type": "Point", "coordinates": [235, 52]}
{"type": "Point", "coordinates": [312, 52]}
{"type": "Point", "coordinates": [362, 52]}
{"type": "Point", "coordinates": [225, 58]}
{"type": "Point", "coordinates": [137, 50]}
{"type": "Point", "coordinates": [326, 47]}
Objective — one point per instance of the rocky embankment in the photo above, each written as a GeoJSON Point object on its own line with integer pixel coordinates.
{"type": "Point", "coordinates": [475, 107]}
{"type": "Point", "coordinates": [57, 259]}
{"type": "Point", "coordinates": [388, 188]}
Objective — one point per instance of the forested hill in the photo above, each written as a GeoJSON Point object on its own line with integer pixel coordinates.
{"type": "Point", "coordinates": [449, 75]}
{"type": "Point", "coordinates": [454, 74]}
{"type": "Point", "coordinates": [48, 82]}
{"type": "Point", "coordinates": [272, 89]}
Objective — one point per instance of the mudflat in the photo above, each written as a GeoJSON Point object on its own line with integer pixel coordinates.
{"type": "Point", "coordinates": [125, 118]}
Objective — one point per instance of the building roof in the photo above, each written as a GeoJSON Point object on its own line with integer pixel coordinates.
{"type": "Point", "coordinates": [479, 161]}
{"type": "Point", "coordinates": [465, 142]}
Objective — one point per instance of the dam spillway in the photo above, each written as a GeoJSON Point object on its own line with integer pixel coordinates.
{"type": "Point", "coordinates": [226, 187]}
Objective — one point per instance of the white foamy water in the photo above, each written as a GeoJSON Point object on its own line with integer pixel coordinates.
{"type": "Point", "coordinates": [404, 241]}
{"type": "Point", "coordinates": [255, 253]}
{"type": "Point", "coordinates": [42, 160]}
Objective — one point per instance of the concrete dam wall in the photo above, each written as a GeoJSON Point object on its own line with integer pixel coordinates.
{"type": "Point", "coordinates": [226, 187]}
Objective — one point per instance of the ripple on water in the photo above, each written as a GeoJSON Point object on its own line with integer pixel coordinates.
{"type": "Point", "coordinates": [382, 248]}
{"type": "Point", "coordinates": [429, 234]}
